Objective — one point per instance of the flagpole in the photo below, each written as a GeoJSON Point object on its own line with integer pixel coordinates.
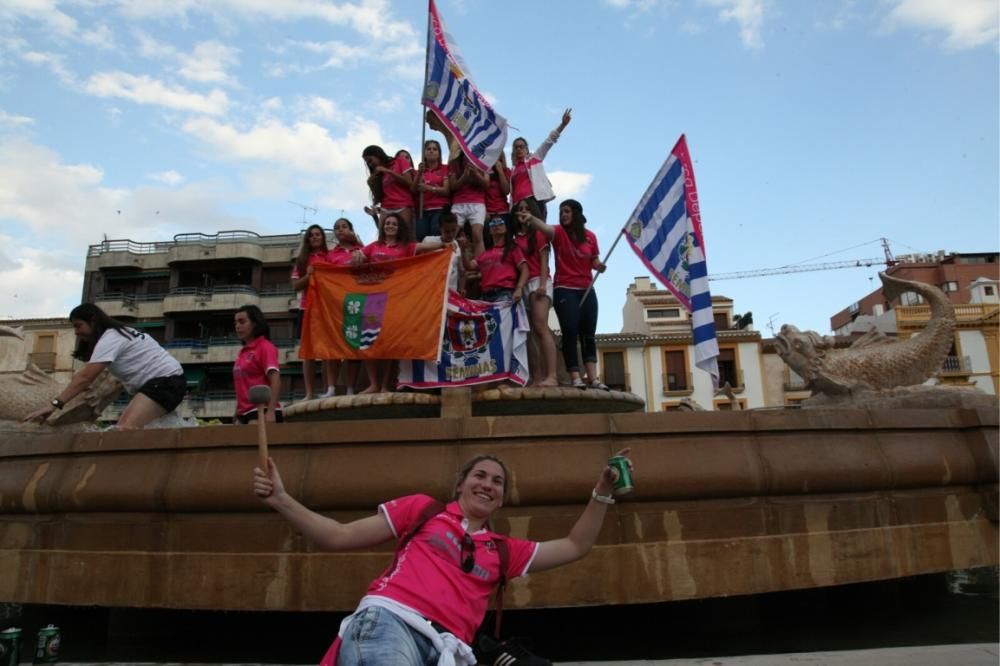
{"type": "Point", "coordinates": [423, 111]}
{"type": "Point", "coordinates": [605, 262]}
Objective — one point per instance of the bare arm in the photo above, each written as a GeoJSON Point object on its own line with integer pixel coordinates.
{"type": "Point", "coordinates": [80, 381]}
{"type": "Point", "coordinates": [584, 533]}
{"type": "Point", "coordinates": [429, 246]}
{"type": "Point", "coordinates": [522, 278]}
{"type": "Point", "coordinates": [300, 283]}
{"type": "Point", "coordinates": [527, 218]}
{"type": "Point", "coordinates": [326, 533]}
{"type": "Point", "coordinates": [554, 135]}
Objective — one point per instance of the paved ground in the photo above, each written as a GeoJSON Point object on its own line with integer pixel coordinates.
{"type": "Point", "coordinates": [974, 654]}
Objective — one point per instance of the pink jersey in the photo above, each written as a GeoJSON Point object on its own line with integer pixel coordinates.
{"type": "Point", "coordinates": [428, 576]}
{"type": "Point", "coordinates": [340, 255]}
{"type": "Point", "coordinates": [395, 195]}
{"type": "Point", "coordinates": [520, 182]}
{"type": "Point", "coordinates": [314, 258]}
{"type": "Point", "coordinates": [496, 201]}
{"type": "Point", "coordinates": [534, 259]}
{"type": "Point", "coordinates": [574, 262]}
{"type": "Point", "coordinates": [497, 272]}
{"type": "Point", "coordinates": [436, 178]}
{"type": "Point", "coordinates": [255, 360]}
{"type": "Point", "coordinates": [466, 193]}
{"type": "Point", "coordinates": [379, 251]}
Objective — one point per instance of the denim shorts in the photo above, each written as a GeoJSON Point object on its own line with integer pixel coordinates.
{"type": "Point", "coordinates": [377, 637]}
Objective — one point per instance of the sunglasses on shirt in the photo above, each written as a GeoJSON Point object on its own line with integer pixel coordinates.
{"type": "Point", "coordinates": [468, 558]}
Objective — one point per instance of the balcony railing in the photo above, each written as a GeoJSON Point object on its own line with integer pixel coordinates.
{"type": "Point", "coordinates": [671, 385]}
{"type": "Point", "coordinates": [956, 365]}
{"type": "Point", "coordinates": [132, 247]}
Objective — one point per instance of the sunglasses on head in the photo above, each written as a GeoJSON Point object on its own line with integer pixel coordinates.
{"type": "Point", "coordinates": [468, 558]}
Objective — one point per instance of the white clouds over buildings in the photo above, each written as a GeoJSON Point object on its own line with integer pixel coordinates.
{"type": "Point", "coordinates": [967, 23]}
{"type": "Point", "coordinates": [143, 89]}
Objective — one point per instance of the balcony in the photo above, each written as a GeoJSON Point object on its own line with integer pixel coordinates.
{"type": "Point", "coordinates": [141, 306]}
{"type": "Point", "coordinates": [677, 385]}
{"type": "Point", "coordinates": [967, 314]}
{"type": "Point", "coordinates": [195, 299]}
{"type": "Point", "coordinates": [127, 254]}
{"type": "Point", "coordinates": [956, 366]}
{"type": "Point", "coordinates": [229, 245]}
{"type": "Point", "coordinates": [273, 301]}
{"type": "Point", "coordinates": [738, 387]}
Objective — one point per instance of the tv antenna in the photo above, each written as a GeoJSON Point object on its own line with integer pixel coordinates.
{"type": "Point", "coordinates": [305, 209]}
{"type": "Point", "coordinates": [770, 322]}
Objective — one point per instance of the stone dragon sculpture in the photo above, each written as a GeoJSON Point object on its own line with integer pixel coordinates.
{"type": "Point", "coordinates": [25, 390]}
{"type": "Point", "coordinates": [873, 362]}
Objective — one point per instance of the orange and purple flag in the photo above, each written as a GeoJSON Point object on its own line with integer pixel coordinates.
{"type": "Point", "coordinates": [389, 310]}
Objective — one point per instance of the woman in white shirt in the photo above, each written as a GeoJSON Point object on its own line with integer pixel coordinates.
{"type": "Point", "coordinates": [153, 377]}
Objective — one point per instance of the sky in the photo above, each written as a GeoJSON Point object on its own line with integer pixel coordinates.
{"type": "Point", "coordinates": [816, 128]}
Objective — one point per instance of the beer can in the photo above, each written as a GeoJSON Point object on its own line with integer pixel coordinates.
{"type": "Point", "coordinates": [623, 484]}
{"type": "Point", "coordinates": [47, 649]}
{"type": "Point", "coordinates": [10, 647]}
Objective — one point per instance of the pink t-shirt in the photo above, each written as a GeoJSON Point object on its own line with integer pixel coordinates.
{"type": "Point", "coordinates": [428, 576]}
{"type": "Point", "coordinates": [395, 195]}
{"type": "Point", "coordinates": [314, 258]}
{"type": "Point", "coordinates": [379, 251]}
{"type": "Point", "coordinates": [496, 201]}
{"type": "Point", "coordinates": [520, 182]}
{"type": "Point", "coordinates": [497, 272]}
{"type": "Point", "coordinates": [255, 360]}
{"type": "Point", "coordinates": [534, 259]}
{"type": "Point", "coordinates": [574, 262]}
{"type": "Point", "coordinates": [465, 193]}
{"type": "Point", "coordinates": [435, 178]}
{"type": "Point", "coordinates": [340, 255]}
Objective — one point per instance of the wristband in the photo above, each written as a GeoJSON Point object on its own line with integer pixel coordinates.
{"type": "Point", "coordinates": [603, 499]}
{"type": "Point", "coordinates": [57, 403]}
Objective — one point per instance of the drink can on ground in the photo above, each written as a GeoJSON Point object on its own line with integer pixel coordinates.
{"type": "Point", "coordinates": [10, 646]}
{"type": "Point", "coordinates": [47, 649]}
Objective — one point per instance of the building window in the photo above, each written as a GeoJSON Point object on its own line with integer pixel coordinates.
{"type": "Point", "coordinates": [721, 320]}
{"type": "Point", "coordinates": [43, 354]}
{"type": "Point", "coordinates": [613, 370]}
{"type": "Point", "coordinates": [878, 309]}
{"type": "Point", "coordinates": [949, 287]}
{"type": "Point", "coordinates": [663, 313]}
{"type": "Point", "coordinates": [730, 406]}
{"type": "Point", "coordinates": [676, 376]}
{"type": "Point", "coordinates": [729, 368]}
{"type": "Point", "coordinates": [988, 290]}
{"type": "Point", "coordinates": [853, 307]}
{"type": "Point", "coordinates": [911, 298]}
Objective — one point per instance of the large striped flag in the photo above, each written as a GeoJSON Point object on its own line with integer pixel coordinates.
{"type": "Point", "coordinates": [390, 310]}
{"type": "Point", "coordinates": [451, 95]}
{"type": "Point", "coordinates": [665, 231]}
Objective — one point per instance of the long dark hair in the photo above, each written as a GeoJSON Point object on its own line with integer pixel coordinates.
{"type": "Point", "coordinates": [378, 192]}
{"type": "Point", "coordinates": [302, 261]}
{"type": "Point", "coordinates": [577, 221]}
{"type": "Point", "coordinates": [99, 323]}
{"type": "Point", "coordinates": [508, 238]}
{"type": "Point", "coordinates": [261, 329]}
{"type": "Point", "coordinates": [529, 231]}
{"type": "Point", "coordinates": [402, 229]}
{"type": "Point", "coordinates": [467, 469]}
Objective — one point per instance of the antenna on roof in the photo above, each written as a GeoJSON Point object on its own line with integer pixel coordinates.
{"type": "Point", "coordinates": [305, 209]}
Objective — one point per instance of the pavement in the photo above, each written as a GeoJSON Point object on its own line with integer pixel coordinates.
{"type": "Point", "coordinates": [971, 654]}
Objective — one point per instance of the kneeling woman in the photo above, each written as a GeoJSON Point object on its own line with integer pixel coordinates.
{"type": "Point", "coordinates": [434, 595]}
{"type": "Point", "coordinates": [256, 365]}
{"type": "Point", "coordinates": [153, 377]}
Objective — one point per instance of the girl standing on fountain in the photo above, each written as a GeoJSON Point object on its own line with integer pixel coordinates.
{"type": "Point", "coordinates": [153, 377]}
{"type": "Point", "coordinates": [536, 249]}
{"type": "Point", "coordinates": [528, 180]}
{"type": "Point", "coordinates": [341, 255]}
{"type": "Point", "coordinates": [255, 365]}
{"type": "Point", "coordinates": [391, 180]}
{"type": "Point", "coordinates": [433, 597]}
{"type": "Point", "coordinates": [577, 255]}
{"type": "Point", "coordinates": [432, 181]}
{"type": "Point", "coordinates": [312, 251]}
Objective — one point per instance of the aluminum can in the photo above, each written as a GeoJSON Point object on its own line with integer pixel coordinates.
{"type": "Point", "coordinates": [10, 646]}
{"type": "Point", "coordinates": [623, 485]}
{"type": "Point", "coordinates": [47, 649]}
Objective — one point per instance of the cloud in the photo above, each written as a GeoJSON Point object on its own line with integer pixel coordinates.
{"type": "Point", "coordinates": [569, 185]}
{"type": "Point", "coordinates": [749, 14]}
{"type": "Point", "coordinates": [208, 63]}
{"type": "Point", "coordinates": [170, 177]}
{"type": "Point", "coordinates": [146, 90]}
{"type": "Point", "coordinates": [36, 287]}
{"type": "Point", "coordinates": [303, 146]}
{"type": "Point", "coordinates": [11, 120]}
{"type": "Point", "coordinates": [315, 107]}
{"type": "Point", "coordinates": [43, 11]}
{"type": "Point", "coordinates": [54, 62]}
{"type": "Point", "coordinates": [968, 23]}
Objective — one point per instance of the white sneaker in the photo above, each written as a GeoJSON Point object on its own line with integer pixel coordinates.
{"type": "Point", "coordinates": [330, 392]}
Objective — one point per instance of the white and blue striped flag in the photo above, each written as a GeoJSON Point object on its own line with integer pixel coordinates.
{"type": "Point", "coordinates": [665, 231]}
{"type": "Point", "coordinates": [451, 95]}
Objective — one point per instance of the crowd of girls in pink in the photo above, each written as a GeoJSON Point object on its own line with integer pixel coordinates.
{"type": "Point", "coordinates": [494, 223]}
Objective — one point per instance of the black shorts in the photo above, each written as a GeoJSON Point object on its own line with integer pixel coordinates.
{"type": "Point", "coordinates": [246, 418]}
{"type": "Point", "coordinates": [167, 392]}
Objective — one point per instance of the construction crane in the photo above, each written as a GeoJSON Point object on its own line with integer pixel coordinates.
{"type": "Point", "coordinates": [888, 260]}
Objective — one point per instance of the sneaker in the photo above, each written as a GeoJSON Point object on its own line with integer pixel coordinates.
{"type": "Point", "coordinates": [330, 392]}
{"type": "Point", "coordinates": [506, 653]}
{"type": "Point", "coordinates": [578, 383]}
{"type": "Point", "coordinates": [599, 386]}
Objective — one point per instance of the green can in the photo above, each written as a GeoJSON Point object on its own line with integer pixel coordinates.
{"type": "Point", "coordinates": [10, 647]}
{"type": "Point", "coordinates": [623, 484]}
{"type": "Point", "coordinates": [47, 649]}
